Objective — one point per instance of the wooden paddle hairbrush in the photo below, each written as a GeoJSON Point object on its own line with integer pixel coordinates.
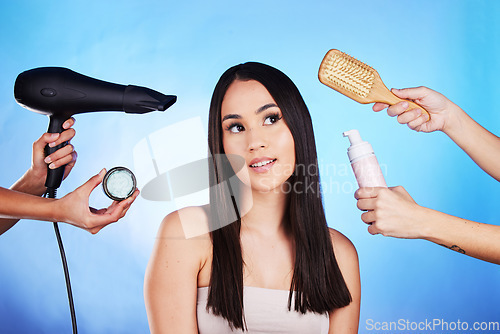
{"type": "Point", "coordinates": [356, 80]}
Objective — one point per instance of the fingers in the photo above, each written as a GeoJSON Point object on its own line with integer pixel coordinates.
{"type": "Point", "coordinates": [366, 204]}
{"type": "Point", "coordinates": [372, 229]}
{"type": "Point", "coordinates": [409, 116]}
{"type": "Point", "coordinates": [40, 143]}
{"type": "Point", "coordinates": [117, 209]}
{"type": "Point", "coordinates": [125, 204]}
{"type": "Point", "coordinates": [368, 217]}
{"type": "Point", "coordinates": [95, 230]}
{"type": "Point", "coordinates": [415, 123]}
{"type": "Point", "coordinates": [113, 213]}
{"type": "Point", "coordinates": [379, 106]}
{"type": "Point", "coordinates": [68, 123]}
{"type": "Point", "coordinates": [54, 139]}
{"type": "Point", "coordinates": [414, 118]}
{"type": "Point", "coordinates": [70, 164]}
{"type": "Point", "coordinates": [64, 136]}
{"type": "Point", "coordinates": [367, 201]}
{"type": "Point", "coordinates": [367, 192]}
{"type": "Point", "coordinates": [397, 109]}
{"type": "Point", "coordinates": [62, 156]}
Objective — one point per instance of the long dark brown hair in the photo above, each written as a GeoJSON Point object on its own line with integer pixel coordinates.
{"type": "Point", "coordinates": [317, 281]}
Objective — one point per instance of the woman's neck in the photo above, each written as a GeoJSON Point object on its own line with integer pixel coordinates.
{"type": "Point", "coordinates": [266, 215]}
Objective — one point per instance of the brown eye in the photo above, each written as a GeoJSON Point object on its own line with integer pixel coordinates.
{"type": "Point", "coordinates": [271, 119]}
{"type": "Point", "coordinates": [235, 128]}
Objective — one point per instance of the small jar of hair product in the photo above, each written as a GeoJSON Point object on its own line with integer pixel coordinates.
{"type": "Point", "coordinates": [119, 183]}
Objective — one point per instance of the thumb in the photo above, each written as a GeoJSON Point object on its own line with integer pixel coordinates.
{"type": "Point", "coordinates": [94, 181]}
{"type": "Point", "coordinates": [414, 93]}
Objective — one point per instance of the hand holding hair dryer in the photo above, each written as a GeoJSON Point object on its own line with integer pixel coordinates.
{"type": "Point", "coordinates": [60, 93]}
{"type": "Point", "coordinates": [363, 161]}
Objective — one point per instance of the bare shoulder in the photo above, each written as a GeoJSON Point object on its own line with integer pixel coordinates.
{"type": "Point", "coordinates": [183, 234]}
{"type": "Point", "coordinates": [184, 253]}
{"type": "Point", "coordinates": [186, 223]}
{"type": "Point", "coordinates": [342, 246]}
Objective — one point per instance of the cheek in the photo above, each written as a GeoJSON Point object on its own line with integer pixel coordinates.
{"type": "Point", "coordinates": [234, 152]}
{"type": "Point", "coordinates": [229, 144]}
{"type": "Point", "coordinates": [287, 147]}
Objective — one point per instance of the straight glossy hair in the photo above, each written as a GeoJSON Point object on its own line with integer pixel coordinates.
{"type": "Point", "coordinates": [317, 280]}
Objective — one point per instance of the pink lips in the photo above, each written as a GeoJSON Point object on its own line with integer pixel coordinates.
{"type": "Point", "coordinates": [261, 165]}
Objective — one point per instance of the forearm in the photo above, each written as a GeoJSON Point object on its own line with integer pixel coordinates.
{"type": "Point", "coordinates": [29, 183]}
{"type": "Point", "coordinates": [471, 238]}
{"type": "Point", "coordinates": [24, 185]}
{"type": "Point", "coordinates": [481, 145]}
{"type": "Point", "coordinates": [17, 205]}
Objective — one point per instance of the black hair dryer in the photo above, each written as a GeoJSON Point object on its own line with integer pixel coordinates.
{"type": "Point", "coordinates": [60, 93]}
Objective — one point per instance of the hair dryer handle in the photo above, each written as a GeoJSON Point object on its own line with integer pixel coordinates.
{"type": "Point", "coordinates": [54, 176]}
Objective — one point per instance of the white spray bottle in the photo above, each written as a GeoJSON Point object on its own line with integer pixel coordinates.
{"type": "Point", "coordinates": [363, 161]}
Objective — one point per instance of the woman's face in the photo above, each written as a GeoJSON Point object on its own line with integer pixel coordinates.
{"type": "Point", "coordinates": [253, 128]}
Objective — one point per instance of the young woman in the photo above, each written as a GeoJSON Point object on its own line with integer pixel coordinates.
{"type": "Point", "coordinates": [275, 266]}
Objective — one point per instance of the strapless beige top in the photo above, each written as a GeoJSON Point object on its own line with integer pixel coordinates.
{"type": "Point", "coordinates": [266, 311]}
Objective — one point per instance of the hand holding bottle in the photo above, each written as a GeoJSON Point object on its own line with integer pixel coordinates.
{"type": "Point", "coordinates": [391, 212]}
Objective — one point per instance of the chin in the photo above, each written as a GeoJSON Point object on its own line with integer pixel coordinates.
{"type": "Point", "coordinates": [269, 186]}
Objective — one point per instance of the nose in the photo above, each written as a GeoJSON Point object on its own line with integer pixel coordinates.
{"type": "Point", "coordinates": [256, 139]}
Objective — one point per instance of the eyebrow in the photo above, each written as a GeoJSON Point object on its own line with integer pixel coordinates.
{"type": "Point", "coordinates": [261, 109]}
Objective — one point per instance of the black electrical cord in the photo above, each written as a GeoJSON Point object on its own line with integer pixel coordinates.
{"type": "Point", "coordinates": [51, 193]}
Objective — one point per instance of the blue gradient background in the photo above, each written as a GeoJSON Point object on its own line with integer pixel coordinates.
{"type": "Point", "coordinates": [182, 48]}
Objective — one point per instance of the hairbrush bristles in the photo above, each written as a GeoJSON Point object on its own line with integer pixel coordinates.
{"type": "Point", "coordinates": [356, 80]}
{"type": "Point", "coordinates": [341, 70]}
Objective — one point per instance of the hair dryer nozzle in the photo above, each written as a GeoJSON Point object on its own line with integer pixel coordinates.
{"type": "Point", "coordinates": [140, 100]}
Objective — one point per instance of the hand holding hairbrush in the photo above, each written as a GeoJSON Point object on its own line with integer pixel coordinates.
{"type": "Point", "coordinates": [357, 80]}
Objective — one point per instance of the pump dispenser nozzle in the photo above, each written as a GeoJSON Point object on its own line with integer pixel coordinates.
{"type": "Point", "coordinates": [359, 148]}
{"type": "Point", "coordinates": [354, 136]}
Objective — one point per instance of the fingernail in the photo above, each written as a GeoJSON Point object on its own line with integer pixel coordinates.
{"type": "Point", "coordinates": [52, 166]}
{"type": "Point", "coordinates": [47, 160]}
{"type": "Point", "coordinates": [52, 144]}
{"type": "Point", "coordinates": [102, 171]}
{"type": "Point", "coordinates": [405, 104]}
